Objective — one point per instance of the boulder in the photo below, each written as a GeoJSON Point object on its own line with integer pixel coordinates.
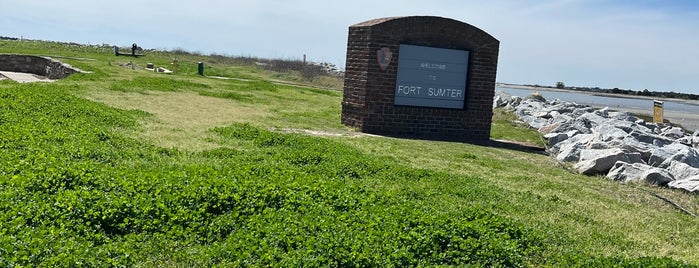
{"type": "Point", "coordinates": [687, 155]}
{"type": "Point", "coordinates": [673, 132]}
{"type": "Point", "coordinates": [649, 138]}
{"type": "Point", "coordinates": [501, 99]}
{"type": "Point", "coordinates": [623, 116]}
{"type": "Point", "coordinates": [582, 110]}
{"type": "Point", "coordinates": [596, 145]}
{"type": "Point", "coordinates": [651, 127]}
{"type": "Point", "coordinates": [695, 139]}
{"type": "Point", "coordinates": [681, 171]}
{"type": "Point", "coordinates": [559, 118]}
{"type": "Point", "coordinates": [588, 154]}
{"type": "Point", "coordinates": [516, 101]}
{"type": "Point", "coordinates": [645, 153]}
{"type": "Point", "coordinates": [534, 122]}
{"type": "Point", "coordinates": [575, 138]}
{"type": "Point", "coordinates": [635, 157]}
{"type": "Point", "coordinates": [549, 128]}
{"type": "Point", "coordinates": [594, 119]}
{"type": "Point", "coordinates": [528, 111]}
{"type": "Point", "coordinates": [625, 172]}
{"type": "Point", "coordinates": [554, 138]}
{"type": "Point", "coordinates": [594, 162]}
{"type": "Point", "coordinates": [561, 108]}
{"type": "Point", "coordinates": [535, 97]}
{"type": "Point", "coordinates": [570, 152]}
{"type": "Point", "coordinates": [581, 125]}
{"type": "Point", "coordinates": [554, 102]}
{"type": "Point", "coordinates": [604, 112]}
{"type": "Point", "coordinates": [572, 133]}
{"type": "Point", "coordinates": [608, 132]}
{"type": "Point", "coordinates": [687, 140]}
{"type": "Point", "coordinates": [542, 114]}
{"type": "Point", "coordinates": [527, 107]}
{"type": "Point", "coordinates": [630, 157]}
{"type": "Point", "coordinates": [657, 130]}
{"type": "Point", "coordinates": [659, 155]}
{"type": "Point", "coordinates": [629, 127]}
{"type": "Point", "coordinates": [690, 184]}
{"type": "Point", "coordinates": [657, 176]}
{"type": "Point", "coordinates": [555, 114]}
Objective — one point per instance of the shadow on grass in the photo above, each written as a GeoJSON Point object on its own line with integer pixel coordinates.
{"type": "Point", "coordinates": [498, 143]}
{"type": "Point", "coordinates": [517, 146]}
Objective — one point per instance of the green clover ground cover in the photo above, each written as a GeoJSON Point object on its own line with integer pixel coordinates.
{"type": "Point", "coordinates": [76, 192]}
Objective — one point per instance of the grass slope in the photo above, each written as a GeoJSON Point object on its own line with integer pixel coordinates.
{"type": "Point", "coordinates": [126, 167]}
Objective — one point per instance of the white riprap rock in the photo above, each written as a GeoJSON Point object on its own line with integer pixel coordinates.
{"type": "Point", "coordinates": [691, 184]}
{"type": "Point", "coordinates": [594, 162]}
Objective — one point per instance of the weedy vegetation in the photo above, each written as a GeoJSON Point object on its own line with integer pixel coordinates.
{"type": "Point", "coordinates": [125, 167]}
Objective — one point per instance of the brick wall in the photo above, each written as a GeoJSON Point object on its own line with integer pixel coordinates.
{"type": "Point", "coordinates": [43, 66]}
{"type": "Point", "coordinates": [368, 101]}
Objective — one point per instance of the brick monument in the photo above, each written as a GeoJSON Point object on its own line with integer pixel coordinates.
{"type": "Point", "coordinates": [420, 77]}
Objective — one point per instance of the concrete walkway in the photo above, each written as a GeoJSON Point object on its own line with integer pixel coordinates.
{"type": "Point", "coordinates": [689, 121]}
{"type": "Point", "coordinates": [25, 77]}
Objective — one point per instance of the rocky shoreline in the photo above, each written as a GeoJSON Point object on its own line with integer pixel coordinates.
{"type": "Point", "coordinates": [615, 144]}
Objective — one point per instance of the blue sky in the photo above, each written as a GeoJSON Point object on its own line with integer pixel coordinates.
{"type": "Point", "coordinates": [630, 44]}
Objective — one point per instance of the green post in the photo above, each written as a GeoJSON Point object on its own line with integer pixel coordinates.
{"type": "Point", "coordinates": [201, 68]}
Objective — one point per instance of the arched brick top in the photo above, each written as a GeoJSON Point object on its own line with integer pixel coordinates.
{"type": "Point", "coordinates": [370, 88]}
{"type": "Point", "coordinates": [411, 22]}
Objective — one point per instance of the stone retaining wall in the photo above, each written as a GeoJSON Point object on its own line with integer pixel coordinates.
{"type": "Point", "coordinates": [44, 66]}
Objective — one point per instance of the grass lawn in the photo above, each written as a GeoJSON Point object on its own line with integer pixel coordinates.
{"type": "Point", "coordinates": [125, 167]}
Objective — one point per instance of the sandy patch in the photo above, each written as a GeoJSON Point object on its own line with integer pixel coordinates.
{"type": "Point", "coordinates": [24, 77]}
{"type": "Point", "coordinates": [181, 119]}
{"type": "Point", "coordinates": [321, 133]}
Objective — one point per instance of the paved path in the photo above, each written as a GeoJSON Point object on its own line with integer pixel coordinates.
{"type": "Point", "coordinates": [25, 77]}
{"type": "Point", "coordinates": [689, 121]}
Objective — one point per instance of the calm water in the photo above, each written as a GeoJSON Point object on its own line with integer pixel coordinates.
{"type": "Point", "coordinates": [611, 102]}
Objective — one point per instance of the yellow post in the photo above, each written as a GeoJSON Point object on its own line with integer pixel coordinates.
{"type": "Point", "coordinates": [657, 112]}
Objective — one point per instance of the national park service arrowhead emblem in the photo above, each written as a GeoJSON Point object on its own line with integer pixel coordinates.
{"type": "Point", "coordinates": [383, 56]}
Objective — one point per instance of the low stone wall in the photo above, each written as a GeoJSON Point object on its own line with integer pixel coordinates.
{"type": "Point", "coordinates": [44, 66]}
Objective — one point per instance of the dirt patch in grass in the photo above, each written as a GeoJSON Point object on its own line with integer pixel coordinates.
{"type": "Point", "coordinates": [181, 119]}
{"type": "Point", "coordinates": [321, 133]}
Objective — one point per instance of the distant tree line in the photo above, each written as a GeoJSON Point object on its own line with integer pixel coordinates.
{"type": "Point", "coordinates": [645, 92]}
